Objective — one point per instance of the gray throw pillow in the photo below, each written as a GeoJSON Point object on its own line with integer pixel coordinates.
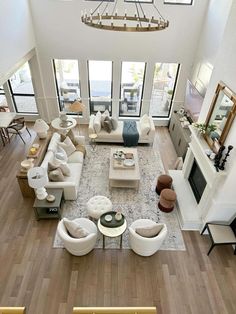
{"type": "Point", "coordinates": [107, 125]}
{"type": "Point", "coordinates": [114, 123]}
{"type": "Point", "coordinates": [56, 175]}
{"type": "Point", "coordinates": [149, 232]}
{"type": "Point", "coordinates": [55, 164]}
{"type": "Point", "coordinates": [75, 229]}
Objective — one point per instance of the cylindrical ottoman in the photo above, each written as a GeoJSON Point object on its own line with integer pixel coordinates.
{"type": "Point", "coordinates": [167, 200]}
{"type": "Point", "coordinates": [98, 205]}
{"type": "Point", "coordinates": [164, 181]}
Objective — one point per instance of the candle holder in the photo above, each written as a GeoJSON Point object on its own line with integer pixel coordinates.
{"type": "Point", "coordinates": [222, 165]}
{"type": "Point", "coordinates": [218, 158]}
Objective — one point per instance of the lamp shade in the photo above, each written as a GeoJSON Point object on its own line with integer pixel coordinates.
{"type": "Point", "coordinates": [37, 177]}
{"type": "Point", "coordinates": [77, 106]}
{"type": "Point", "coordinates": [40, 126]}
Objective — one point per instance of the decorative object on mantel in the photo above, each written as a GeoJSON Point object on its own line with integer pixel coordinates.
{"type": "Point", "coordinates": [218, 158]}
{"type": "Point", "coordinates": [222, 165]}
{"type": "Point", "coordinates": [138, 21]}
{"type": "Point", "coordinates": [203, 128]}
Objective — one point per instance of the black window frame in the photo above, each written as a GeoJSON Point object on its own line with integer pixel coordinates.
{"type": "Point", "coordinates": [177, 3]}
{"type": "Point", "coordinates": [13, 95]}
{"type": "Point", "coordinates": [89, 92]}
{"type": "Point", "coordinates": [58, 91]}
{"type": "Point", "coordinates": [141, 96]}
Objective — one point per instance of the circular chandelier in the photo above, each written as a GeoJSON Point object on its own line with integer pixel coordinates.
{"type": "Point", "coordinates": [106, 17]}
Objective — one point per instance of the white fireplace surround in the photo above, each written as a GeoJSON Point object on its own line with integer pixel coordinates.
{"type": "Point", "coordinates": [193, 215]}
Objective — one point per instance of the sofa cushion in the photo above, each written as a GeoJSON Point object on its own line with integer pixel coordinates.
{"type": "Point", "coordinates": [107, 125]}
{"type": "Point", "coordinates": [77, 156]}
{"type": "Point", "coordinates": [114, 135]}
{"type": "Point", "coordinates": [75, 229]}
{"type": "Point", "coordinates": [144, 125]}
{"type": "Point", "coordinates": [150, 231]}
{"type": "Point", "coordinates": [91, 121]}
{"type": "Point", "coordinates": [97, 122]}
{"type": "Point", "coordinates": [68, 146]}
{"type": "Point", "coordinates": [55, 164]}
{"type": "Point", "coordinates": [56, 175]}
{"type": "Point", "coordinates": [103, 116]}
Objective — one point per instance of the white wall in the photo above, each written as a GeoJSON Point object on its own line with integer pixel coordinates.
{"type": "Point", "coordinates": [16, 34]}
{"type": "Point", "coordinates": [211, 37]}
{"type": "Point", "coordinates": [60, 34]}
{"type": "Point", "coordinates": [225, 70]}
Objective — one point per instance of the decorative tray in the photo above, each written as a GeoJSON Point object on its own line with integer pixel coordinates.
{"type": "Point", "coordinates": [113, 223]}
{"type": "Point", "coordinates": [35, 155]}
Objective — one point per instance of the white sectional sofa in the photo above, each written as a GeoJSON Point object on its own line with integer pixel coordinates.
{"type": "Point", "coordinates": [116, 135]}
{"type": "Point", "coordinates": [75, 163]}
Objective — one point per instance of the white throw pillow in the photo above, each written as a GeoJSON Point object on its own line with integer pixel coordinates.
{"type": "Point", "coordinates": [75, 229]}
{"type": "Point", "coordinates": [68, 146]}
{"type": "Point", "coordinates": [91, 121]}
{"type": "Point", "coordinates": [145, 125]}
{"type": "Point", "coordinates": [97, 122]}
{"type": "Point", "coordinates": [150, 231]}
{"type": "Point", "coordinates": [61, 154]}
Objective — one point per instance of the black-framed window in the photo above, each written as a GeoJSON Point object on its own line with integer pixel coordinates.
{"type": "Point", "coordinates": [100, 85]}
{"type": "Point", "coordinates": [131, 89]}
{"type": "Point", "coordinates": [164, 83]}
{"type": "Point", "coordinates": [3, 100]}
{"type": "Point", "coordinates": [66, 72]}
{"type": "Point", "coordinates": [22, 91]}
{"type": "Point", "coordinates": [181, 2]}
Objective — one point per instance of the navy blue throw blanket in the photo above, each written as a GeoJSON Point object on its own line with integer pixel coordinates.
{"type": "Point", "coordinates": [130, 133]}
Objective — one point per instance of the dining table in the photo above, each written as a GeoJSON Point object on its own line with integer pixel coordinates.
{"type": "Point", "coordinates": [5, 120]}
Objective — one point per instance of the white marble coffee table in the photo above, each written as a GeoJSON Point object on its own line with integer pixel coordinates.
{"type": "Point", "coordinates": [126, 177]}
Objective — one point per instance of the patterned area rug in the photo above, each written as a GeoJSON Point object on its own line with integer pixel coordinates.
{"type": "Point", "coordinates": [134, 204]}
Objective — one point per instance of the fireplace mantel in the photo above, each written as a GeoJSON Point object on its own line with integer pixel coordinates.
{"type": "Point", "coordinates": [192, 214]}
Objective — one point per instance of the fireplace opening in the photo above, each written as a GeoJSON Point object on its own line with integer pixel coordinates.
{"type": "Point", "coordinates": [197, 181]}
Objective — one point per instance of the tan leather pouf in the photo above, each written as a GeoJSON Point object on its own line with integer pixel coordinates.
{"type": "Point", "coordinates": [164, 181]}
{"type": "Point", "coordinates": [167, 200]}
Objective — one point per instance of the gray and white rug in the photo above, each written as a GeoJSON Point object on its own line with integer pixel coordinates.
{"type": "Point", "coordinates": [134, 204]}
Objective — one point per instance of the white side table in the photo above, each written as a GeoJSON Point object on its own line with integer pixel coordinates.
{"type": "Point", "coordinates": [93, 143]}
{"type": "Point", "coordinates": [57, 124]}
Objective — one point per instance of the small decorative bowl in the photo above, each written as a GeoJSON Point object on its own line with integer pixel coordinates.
{"type": "Point", "coordinates": [50, 198]}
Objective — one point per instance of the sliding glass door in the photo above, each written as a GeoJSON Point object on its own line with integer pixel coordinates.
{"type": "Point", "coordinates": [131, 89]}
{"type": "Point", "coordinates": [164, 82]}
{"type": "Point", "coordinates": [22, 90]}
{"type": "Point", "coordinates": [100, 86]}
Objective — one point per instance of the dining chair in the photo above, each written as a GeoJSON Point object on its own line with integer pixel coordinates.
{"type": "Point", "coordinates": [18, 126]}
{"type": "Point", "coordinates": [221, 234]}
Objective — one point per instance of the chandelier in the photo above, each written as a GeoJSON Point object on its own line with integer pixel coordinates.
{"type": "Point", "coordinates": [106, 17]}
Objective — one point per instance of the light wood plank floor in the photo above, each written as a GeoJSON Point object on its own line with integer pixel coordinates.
{"type": "Point", "coordinates": [49, 281]}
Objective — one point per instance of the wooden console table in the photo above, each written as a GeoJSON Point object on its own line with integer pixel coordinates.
{"type": "Point", "coordinates": [26, 190]}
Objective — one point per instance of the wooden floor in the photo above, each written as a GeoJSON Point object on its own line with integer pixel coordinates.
{"type": "Point", "coordinates": [49, 281]}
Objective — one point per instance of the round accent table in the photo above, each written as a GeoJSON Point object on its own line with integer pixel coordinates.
{"type": "Point", "coordinates": [93, 143]}
{"type": "Point", "coordinates": [57, 124]}
{"type": "Point", "coordinates": [112, 232]}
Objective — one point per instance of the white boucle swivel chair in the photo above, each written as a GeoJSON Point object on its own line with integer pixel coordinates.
{"type": "Point", "coordinates": [80, 246]}
{"type": "Point", "coordinates": [145, 246]}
